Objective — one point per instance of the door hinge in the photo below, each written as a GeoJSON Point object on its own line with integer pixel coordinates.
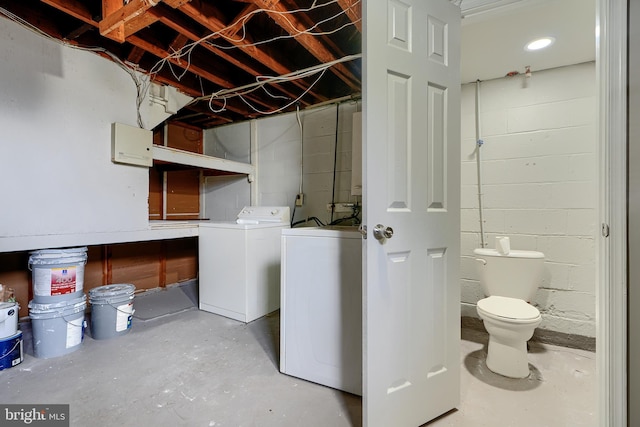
{"type": "Point", "coordinates": [605, 230]}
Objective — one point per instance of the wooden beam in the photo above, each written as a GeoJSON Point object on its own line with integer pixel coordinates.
{"type": "Point", "coordinates": [239, 21]}
{"type": "Point", "coordinates": [109, 7]}
{"type": "Point", "coordinates": [200, 110]}
{"type": "Point", "coordinates": [187, 90]}
{"type": "Point", "coordinates": [135, 55]}
{"type": "Point", "coordinates": [107, 269]}
{"type": "Point", "coordinates": [353, 9]}
{"type": "Point", "coordinates": [162, 264]}
{"type": "Point", "coordinates": [79, 31]}
{"type": "Point", "coordinates": [135, 25]}
{"type": "Point", "coordinates": [178, 42]}
{"type": "Point", "coordinates": [215, 25]}
{"type": "Point", "coordinates": [174, 21]}
{"type": "Point", "coordinates": [294, 27]}
{"type": "Point", "coordinates": [132, 15]}
{"type": "Point", "coordinates": [176, 3]}
{"type": "Point", "coordinates": [74, 8]}
{"type": "Point", "coordinates": [161, 53]}
{"type": "Point", "coordinates": [306, 22]}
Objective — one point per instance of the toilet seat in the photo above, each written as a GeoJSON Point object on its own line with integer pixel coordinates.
{"type": "Point", "coordinates": [509, 310]}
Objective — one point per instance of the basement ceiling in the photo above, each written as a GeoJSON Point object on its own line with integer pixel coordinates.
{"type": "Point", "coordinates": [494, 33]}
{"type": "Point", "coordinates": [309, 48]}
{"type": "Point", "coordinates": [244, 58]}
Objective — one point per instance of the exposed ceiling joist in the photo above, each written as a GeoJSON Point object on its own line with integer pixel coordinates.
{"type": "Point", "coordinates": [353, 9]}
{"type": "Point", "coordinates": [290, 23]}
{"type": "Point", "coordinates": [217, 46]}
{"type": "Point", "coordinates": [74, 8]}
{"type": "Point", "coordinates": [177, 23]}
{"type": "Point", "coordinates": [132, 14]}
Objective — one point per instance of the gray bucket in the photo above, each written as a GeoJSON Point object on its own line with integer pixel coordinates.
{"type": "Point", "coordinates": [111, 310]}
{"type": "Point", "coordinates": [57, 274]}
{"type": "Point", "coordinates": [57, 328]}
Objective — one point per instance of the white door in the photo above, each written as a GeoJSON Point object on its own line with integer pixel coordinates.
{"type": "Point", "coordinates": [411, 134]}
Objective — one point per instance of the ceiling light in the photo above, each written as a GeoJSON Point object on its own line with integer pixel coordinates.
{"type": "Point", "coordinates": [539, 43]}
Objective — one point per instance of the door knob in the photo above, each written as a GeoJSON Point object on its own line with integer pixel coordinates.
{"type": "Point", "coordinates": [381, 232]}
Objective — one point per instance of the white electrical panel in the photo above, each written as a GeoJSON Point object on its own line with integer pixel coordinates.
{"type": "Point", "coordinates": [131, 145]}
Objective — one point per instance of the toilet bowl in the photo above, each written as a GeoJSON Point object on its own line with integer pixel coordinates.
{"type": "Point", "coordinates": [510, 323]}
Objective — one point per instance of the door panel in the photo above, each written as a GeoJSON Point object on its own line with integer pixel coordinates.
{"type": "Point", "coordinates": [411, 133]}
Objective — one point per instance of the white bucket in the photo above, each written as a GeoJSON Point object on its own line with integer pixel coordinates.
{"type": "Point", "coordinates": [58, 328]}
{"type": "Point", "coordinates": [57, 274]}
{"type": "Point", "coordinates": [8, 319]}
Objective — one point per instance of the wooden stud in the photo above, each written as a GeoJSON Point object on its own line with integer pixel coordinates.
{"type": "Point", "coordinates": [163, 264]}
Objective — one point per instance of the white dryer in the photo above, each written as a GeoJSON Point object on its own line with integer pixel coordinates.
{"type": "Point", "coordinates": [239, 263]}
{"type": "Point", "coordinates": [321, 308]}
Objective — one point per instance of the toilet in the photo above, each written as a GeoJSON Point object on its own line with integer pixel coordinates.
{"type": "Point", "coordinates": [509, 279]}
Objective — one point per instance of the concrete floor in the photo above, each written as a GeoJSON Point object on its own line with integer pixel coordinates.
{"type": "Point", "coordinates": [195, 368]}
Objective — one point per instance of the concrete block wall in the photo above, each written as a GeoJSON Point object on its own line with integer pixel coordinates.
{"type": "Point", "coordinates": [539, 173]}
{"type": "Point", "coordinates": [224, 196]}
{"type": "Point", "coordinates": [280, 152]}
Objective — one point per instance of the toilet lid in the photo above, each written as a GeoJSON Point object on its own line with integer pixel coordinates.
{"type": "Point", "coordinates": [511, 308]}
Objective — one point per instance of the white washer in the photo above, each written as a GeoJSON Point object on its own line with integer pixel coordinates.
{"type": "Point", "coordinates": [239, 263]}
{"type": "Point", "coordinates": [321, 308]}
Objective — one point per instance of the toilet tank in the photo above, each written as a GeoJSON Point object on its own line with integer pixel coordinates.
{"type": "Point", "coordinates": [517, 274]}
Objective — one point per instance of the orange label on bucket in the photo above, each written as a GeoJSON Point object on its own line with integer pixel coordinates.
{"type": "Point", "coordinates": [63, 280]}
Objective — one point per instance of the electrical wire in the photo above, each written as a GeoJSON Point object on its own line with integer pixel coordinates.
{"type": "Point", "coordinates": [187, 49]}
{"type": "Point", "coordinates": [263, 80]}
{"type": "Point", "coordinates": [293, 214]}
{"type": "Point", "coordinates": [143, 82]}
{"type": "Point", "coordinates": [284, 107]}
{"type": "Point", "coordinates": [238, 92]}
{"type": "Point", "coordinates": [289, 36]}
{"type": "Point", "coordinates": [317, 220]}
{"type": "Point", "coordinates": [353, 217]}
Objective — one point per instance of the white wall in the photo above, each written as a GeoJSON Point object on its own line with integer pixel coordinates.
{"type": "Point", "coordinates": [57, 105]}
{"type": "Point", "coordinates": [278, 159]}
{"type": "Point", "coordinates": [539, 184]}
{"type": "Point", "coordinates": [56, 109]}
{"type": "Point", "coordinates": [224, 196]}
{"type": "Point", "coordinates": [279, 154]}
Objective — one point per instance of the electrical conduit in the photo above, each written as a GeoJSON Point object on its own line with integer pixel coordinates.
{"type": "Point", "coordinates": [479, 143]}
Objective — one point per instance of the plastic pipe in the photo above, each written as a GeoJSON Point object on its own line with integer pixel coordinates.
{"type": "Point", "coordinates": [479, 144]}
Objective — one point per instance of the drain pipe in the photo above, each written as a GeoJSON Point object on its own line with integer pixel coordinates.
{"type": "Point", "coordinates": [479, 143]}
